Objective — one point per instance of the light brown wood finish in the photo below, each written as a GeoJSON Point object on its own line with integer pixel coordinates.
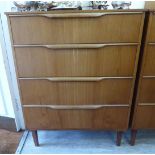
{"type": "Point", "coordinates": [109, 91]}
{"type": "Point", "coordinates": [144, 112]}
{"type": "Point", "coordinates": [75, 79]}
{"type": "Point", "coordinates": [144, 117]}
{"type": "Point", "coordinates": [75, 14]}
{"type": "Point", "coordinates": [75, 107]}
{"type": "Point", "coordinates": [104, 61]}
{"type": "Point", "coordinates": [109, 28]}
{"type": "Point", "coordinates": [78, 46]}
{"type": "Point", "coordinates": [149, 64]}
{"type": "Point", "coordinates": [103, 118]}
{"type": "Point", "coordinates": [104, 79]}
{"type": "Point", "coordinates": [151, 31]}
{"type": "Point", "coordinates": [147, 91]}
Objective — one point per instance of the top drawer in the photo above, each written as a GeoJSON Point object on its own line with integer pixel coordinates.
{"type": "Point", "coordinates": [76, 27]}
{"type": "Point", "coordinates": [151, 37]}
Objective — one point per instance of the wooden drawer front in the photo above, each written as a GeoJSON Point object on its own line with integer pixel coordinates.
{"type": "Point", "coordinates": [103, 118]}
{"type": "Point", "coordinates": [144, 117]}
{"type": "Point", "coordinates": [108, 91]}
{"type": "Point", "coordinates": [149, 62]}
{"type": "Point", "coordinates": [147, 91]}
{"type": "Point", "coordinates": [102, 61]}
{"type": "Point", "coordinates": [151, 37]}
{"type": "Point", "coordinates": [82, 28]}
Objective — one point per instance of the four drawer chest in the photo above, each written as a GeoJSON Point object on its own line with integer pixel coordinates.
{"type": "Point", "coordinates": [76, 69]}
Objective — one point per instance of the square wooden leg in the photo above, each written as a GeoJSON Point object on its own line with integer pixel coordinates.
{"type": "Point", "coordinates": [119, 138]}
{"type": "Point", "coordinates": [35, 137]}
{"type": "Point", "coordinates": [133, 137]}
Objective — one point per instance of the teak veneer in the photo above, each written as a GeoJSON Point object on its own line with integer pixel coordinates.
{"type": "Point", "coordinates": [76, 69]}
{"type": "Point", "coordinates": [144, 110]}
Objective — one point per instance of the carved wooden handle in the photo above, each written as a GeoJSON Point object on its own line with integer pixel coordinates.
{"type": "Point", "coordinates": [87, 46]}
{"type": "Point", "coordinates": [79, 46]}
{"type": "Point", "coordinates": [146, 104]}
{"type": "Point", "coordinates": [76, 107]}
{"type": "Point", "coordinates": [74, 15]}
{"type": "Point", "coordinates": [74, 79]}
{"type": "Point", "coordinates": [84, 15]}
{"type": "Point", "coordinates": [148, 77]}
{"type": "Point", "coordinates": [153, 44]}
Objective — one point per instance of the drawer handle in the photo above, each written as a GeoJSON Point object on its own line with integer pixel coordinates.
{"type": "Point", "coordinates": [84, 15]}
{"type": "Point", "coordinates": [146, 104]}
{"type": "Point", "coordinates": [83, 46]}
{"type": "Point", "coordinates": [74, 15]}
{"type": "Point", "coordinates": [153, 44]}
{"type": "Point", "coordinates": [148, 77]}
{"type": "Point", "coordinates": [78, 46]}
{"type": "Point", "coordinates": [76, 107]}
{"type": "Point", "coordinates": [74, 79]}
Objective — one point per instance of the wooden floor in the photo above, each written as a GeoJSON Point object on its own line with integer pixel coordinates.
{"type": "Point", "coordinates": [9, 141]}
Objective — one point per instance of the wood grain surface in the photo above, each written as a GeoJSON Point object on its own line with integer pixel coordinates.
{"type": "Point", "coordinates": [104, 61]}
{"type": "Point", "coordinates": [50, 50]}
{"type": "Point", "coordinates": [109, 28]}
{"type": "Point", "coordinates": [149, 64]}
{"type": "Point", "coordinates": [144, 118]}
{"type": "Point", "coordinates": [104, 118]}
{"type": "Point", "coordinates": [109, 91]}
{"type": "Point", "coordinates": [144, 112]}
{"type": "Point", "coordinates": [151, 31]}
{"type": "Point", "coordinates": [147, 91]}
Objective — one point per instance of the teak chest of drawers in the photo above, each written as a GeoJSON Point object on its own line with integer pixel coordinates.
{"type": "Point", "coordinates": [76, 69]}
{"type": "Point", "coordinates": [144, 111]}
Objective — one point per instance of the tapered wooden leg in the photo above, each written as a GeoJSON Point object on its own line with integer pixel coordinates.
{"type": "Point", "coordinates": [35, 137]}
{"type": "Point", "coordinates": [133, 137]}
{"type": "Point", "coordinates": [119, 138]}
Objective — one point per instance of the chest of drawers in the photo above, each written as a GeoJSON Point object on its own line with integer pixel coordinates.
{"type": "Point", "coordinates": [76, 69]}
{"type": "Point", "coordinates": [144, 113]}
